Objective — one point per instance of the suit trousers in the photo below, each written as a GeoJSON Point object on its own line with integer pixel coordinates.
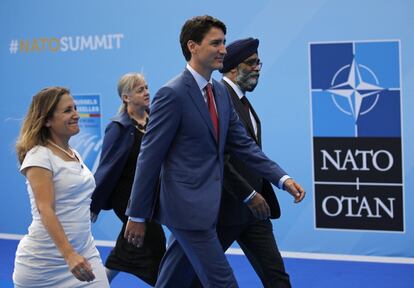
{"type": "Point", "coordinates": [202, 248]}
{"type": "Point", "coordinates": [259, 245]}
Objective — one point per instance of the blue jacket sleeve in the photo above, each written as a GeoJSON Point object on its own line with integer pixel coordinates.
{"type": "Point", "coordinates": [241, 145]}
{"type": "Point", "coordinates": [113, 157]}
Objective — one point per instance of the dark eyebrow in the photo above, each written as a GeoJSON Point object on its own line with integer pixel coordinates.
{"type": "Point", "coordinates": [217, 40]}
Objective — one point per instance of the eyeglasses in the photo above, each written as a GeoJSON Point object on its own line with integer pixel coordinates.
{"type": "Point", "coordinates": [254, 63]}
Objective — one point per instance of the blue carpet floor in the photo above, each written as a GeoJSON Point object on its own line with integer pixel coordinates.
{"type": "Point", "coordinates": [304, 273]}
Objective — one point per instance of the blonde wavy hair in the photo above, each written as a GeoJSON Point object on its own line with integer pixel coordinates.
{"type": "Point", "coordinates": [34, 131]}
{"type": "Point", "coordinates": [126, 84]}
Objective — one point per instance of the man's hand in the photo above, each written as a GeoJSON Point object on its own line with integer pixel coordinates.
{"type": "Point", "coordinates": [294, 189]}
{"type": "Point", "coordinates": [259, 207]}
{"type": "Point", "coordinates": [135, 232]}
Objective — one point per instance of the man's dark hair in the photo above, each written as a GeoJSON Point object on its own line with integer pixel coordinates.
{"type": "Point", "coordinates": [195, 29]}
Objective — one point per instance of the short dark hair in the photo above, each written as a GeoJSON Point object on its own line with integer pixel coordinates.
{"type": "Point", "coordinates": [195, 29]}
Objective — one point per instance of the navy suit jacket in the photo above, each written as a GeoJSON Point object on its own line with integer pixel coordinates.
{"type": "Point", "coordinates": [239, 180]}
{"type": "Point", "coordinates": [179, 147]}
{"type": "Point", "coordinates": [116, 147]}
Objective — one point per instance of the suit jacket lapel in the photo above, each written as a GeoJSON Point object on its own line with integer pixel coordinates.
{"type": "Point", "coordinates": [198, 100]}
{"type": "Point", "coordinates": [241, 111]}
{"type": "Point", "coordinates": [258, 125]}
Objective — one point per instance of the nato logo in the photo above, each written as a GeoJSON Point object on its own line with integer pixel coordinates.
{"type": "Point", "coordinates": [356, 126]}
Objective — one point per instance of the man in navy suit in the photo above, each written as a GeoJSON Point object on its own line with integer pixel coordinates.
{"type": "Point", "coordinates": [192, 122]}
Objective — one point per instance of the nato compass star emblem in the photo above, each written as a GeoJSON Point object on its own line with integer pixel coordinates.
{"type": "Point", "coordinates": [355, 90]}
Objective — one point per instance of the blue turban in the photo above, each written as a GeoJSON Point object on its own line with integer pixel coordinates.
{"type": "Point", "coordinates": [238, 51]}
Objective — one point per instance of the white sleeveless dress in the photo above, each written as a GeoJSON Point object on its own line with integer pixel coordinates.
{"type": "Point", "coordinates": [38, 262]}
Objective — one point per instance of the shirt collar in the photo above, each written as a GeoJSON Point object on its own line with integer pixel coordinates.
{"type": "Point", "coordinates": [201, 81]}
{"type": "Point", "coordinates": [234, 86]}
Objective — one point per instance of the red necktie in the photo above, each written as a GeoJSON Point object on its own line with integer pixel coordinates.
{"type": "Point", "coordinates": [212, 109]}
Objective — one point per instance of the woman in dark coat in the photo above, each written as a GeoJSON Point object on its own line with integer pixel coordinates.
{"type": "Point", "coordinates": [114, 178]}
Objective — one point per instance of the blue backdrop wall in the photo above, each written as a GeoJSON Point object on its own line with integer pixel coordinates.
{"type": "Point", "coordinates": [88, 45]}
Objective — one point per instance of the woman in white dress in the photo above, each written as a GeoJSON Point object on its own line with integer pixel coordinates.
{"type": "Point", "coordinates": [59, 250]}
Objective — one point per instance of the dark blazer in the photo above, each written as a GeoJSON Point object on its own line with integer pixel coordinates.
{"type": "Point", "coordinates": [180, 148]}
{"type": "Point", "coordinates": [117, 144]}
{"type": "Point", "coordinates": [239, 180]}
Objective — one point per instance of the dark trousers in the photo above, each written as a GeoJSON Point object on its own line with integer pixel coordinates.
{"type": "Point", "coordinates": [258, 243]}
{"type": "Point", "coordinates": [201, 250]}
